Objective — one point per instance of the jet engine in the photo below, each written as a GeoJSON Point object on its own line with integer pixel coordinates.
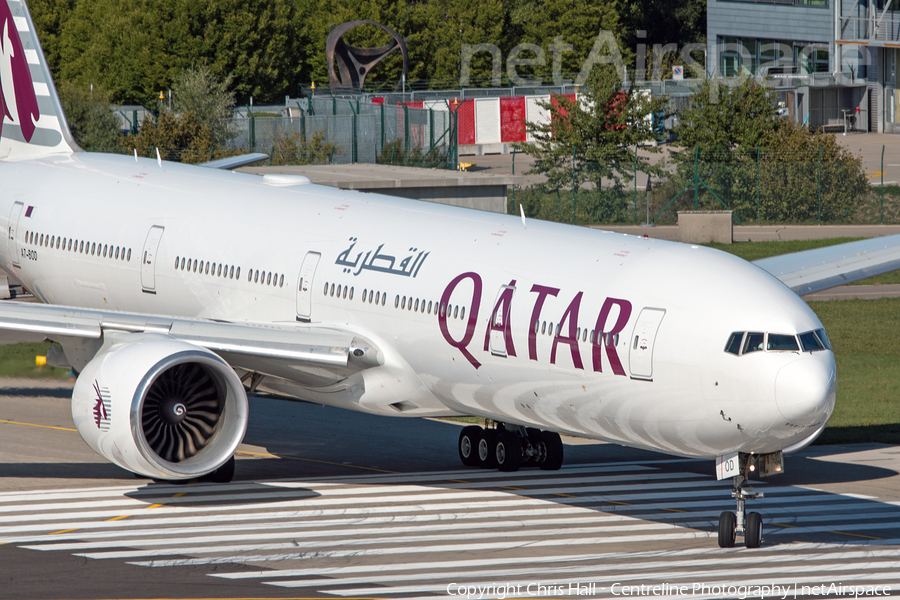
{"type": "Point", "coordinates": [160, 407]}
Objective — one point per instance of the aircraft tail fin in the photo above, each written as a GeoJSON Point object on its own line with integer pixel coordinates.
{"type": "Point", "coordinates": [32, 122]}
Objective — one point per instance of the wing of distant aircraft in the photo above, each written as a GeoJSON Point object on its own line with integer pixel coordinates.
{"type": "Point", "coordinates": [176, 290]}
{"type": "Point", "coordinates": [233, 162]}
{"type": "Point", "coordinates": [822, 268]}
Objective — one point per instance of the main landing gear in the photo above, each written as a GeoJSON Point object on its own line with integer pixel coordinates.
{"type": "Point", "coordinates": [734, 524]}
{"type": "Point", "coordinates": [509, 447]}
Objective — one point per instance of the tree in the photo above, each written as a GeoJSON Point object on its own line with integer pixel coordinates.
{"type": "Point", "coordinates": [135, 48]}
{"type": "Point", "coordinates": [593, 139]}
{"type": "Point", "coordinates": [90, 119]}
{"type": "Point", "coordinates": [199, 92]}
{"type": "Point", "coordinates": [727, 122]}
{"type": "Point", "coordinates": [184, 138]}
{"type": "Point", "coordinates": [760, 165]}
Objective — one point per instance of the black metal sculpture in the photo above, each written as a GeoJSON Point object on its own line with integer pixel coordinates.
{"type": "Point", "coordinates": [349, 65]}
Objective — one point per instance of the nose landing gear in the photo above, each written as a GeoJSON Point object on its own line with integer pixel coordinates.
{"type": "Point", "coordinates": [732, 524]}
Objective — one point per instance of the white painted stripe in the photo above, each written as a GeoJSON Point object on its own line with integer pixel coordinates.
{"type": "Point", "coordinates": [31, 57]}
{"type": "Point", "coordinates": [884, 567]}
{"type": "Point", "coordinates": [41, 89]}
{"type": "Point", "coordinates": [551, 574]}
{"type": "Point", "coordinates": [546, 481]}
{"type": "Point", "coordinates": [352, 537]}
{"type": "Point", "coordinates": [429, 569]}
{"type": "Point", "coordinates": [21, 24]}
{"type": "Point", "coordinates": [225, 511]}
{"type": "Point", "coordinates": [316, 519]}
{"type": "Point", "coordinates": [795, 547]}
{"type": "Point", "coordinates": [318, 552]}
{"type": "Point", "coordinates": [459, 523]}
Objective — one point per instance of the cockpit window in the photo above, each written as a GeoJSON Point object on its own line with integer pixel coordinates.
{"type": "Point", "coordinates": [810, 342]}
{"type": "Point", "coordinates": [782, 343]}
{"type": "Point", "coordinates": [741, 342]}
{"type": "Point", "coordinates": [823, 337]}
{"type": "Point", "coordinates": [753, 342]}
{"type": "Point", "coordinates": [734, 343]}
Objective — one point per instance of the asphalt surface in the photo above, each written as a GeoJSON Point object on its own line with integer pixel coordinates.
{"type": "Point", "coordinates": [329, 503]}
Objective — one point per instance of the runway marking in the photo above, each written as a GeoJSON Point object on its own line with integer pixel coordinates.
{"type": "Point", "coordinates": [389, 536]}
{"type": "Point", "coordinates": [36, 425]}
{"type": "Point", "coordinates": [312, 460]}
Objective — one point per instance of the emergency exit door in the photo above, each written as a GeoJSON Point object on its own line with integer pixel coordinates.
{"type": "Point", "coordinates": [148, 259]}
{"type": "Point", "coordinates": [304, 286]}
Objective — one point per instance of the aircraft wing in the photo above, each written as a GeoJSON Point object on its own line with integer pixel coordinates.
{"type": "Point", "coordinates": [324, 348]}
{"type": "Point", "coordinates": [822, 268]}
{"type": "Point", "coordinates": [233, 162]}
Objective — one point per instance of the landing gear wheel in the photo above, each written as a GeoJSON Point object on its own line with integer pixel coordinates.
{"type": "Point", "coordinates": [508, 451]}
{"type": "Point", "coordinates": [754, 530]}
{"type": "Point", "coordinates": [223, 474]}
{"type": "Point", "coordinates": [468, 445]}
{"type": "Point", "coordinates": [726, 529]}
{"type": "Point", "coordinates": [487, 453]}
{"type": "Point", "coordinates": [554, 446]}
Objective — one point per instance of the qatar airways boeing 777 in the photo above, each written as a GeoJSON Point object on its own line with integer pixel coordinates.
{"type": "Point", "coordinates": [175, 290]}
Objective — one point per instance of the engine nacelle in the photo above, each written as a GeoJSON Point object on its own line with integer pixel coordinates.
{"type": "Point", "coordinates": [160, 407]}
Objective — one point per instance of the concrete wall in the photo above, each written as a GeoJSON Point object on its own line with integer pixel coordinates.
{"type": "Point", "coordinates": [482, 197]}
{"type": "Point", "coordinates": [701, 227]}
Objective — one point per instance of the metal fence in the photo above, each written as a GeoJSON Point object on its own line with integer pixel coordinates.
{"type": "Point", "coordinates": [350, 131]}
{"type": "Point", "coordinates": [760, 188]}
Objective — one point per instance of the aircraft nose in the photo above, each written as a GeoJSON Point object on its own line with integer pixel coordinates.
{"type": "Point", "coordinates": [805, 391]}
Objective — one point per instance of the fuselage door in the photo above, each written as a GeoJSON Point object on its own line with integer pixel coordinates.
{"type": "Point", "coordinates": [640, 349]}
{"type": "Point", "coordinates": [148, 259]}
{"type": "Point", "coordinates": [13, 226]}
{"type": "Point", "coordinates": [304, 288]}
{"type": "Point", "coordinates": [500, 325]}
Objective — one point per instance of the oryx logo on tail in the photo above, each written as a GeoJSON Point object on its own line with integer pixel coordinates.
{"type": "Point", "coordinates": [18, 103]}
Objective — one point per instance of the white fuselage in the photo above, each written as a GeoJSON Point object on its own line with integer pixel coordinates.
{"type": "Point", "coordinates": [663, 383]}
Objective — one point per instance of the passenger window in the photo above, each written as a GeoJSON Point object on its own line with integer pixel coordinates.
{"type": "Point", "coordinates": [269, 279]}
{"type": "Point", "coordinates": [417, 305]}
{"type": "Point", "coordinates": [41, 242]}
{"type": "Point", "coordinates": [104, 250]}
{"type": "Point", "coordinates": [429, 307]}
{"type": "Point", "coordinates": [332, 290]}
{"type": "Point", "coordinates": [377, 296]}
{"type": "Point", "coordinates": [281, 284]}
{"type": "Point", "coordinates": [351, 289]}
{"type": "Point", "coordinates": [182, 264]}
{"type": "Point", "coordinates": [365, 293]}
{"type": "Point", "coordinates": [462, 313]}
{"type": "Point", "coordinates": [780, 342]}
{"type": "Point", "coordinates": [237, 274]}
{"type": "Point", "coordinates": [734, 343]}
{"type": "Point", "coordinates": [543, 327]}
{"type": "Point", "coordinates": [753, 342]}
{"type": "Point", "coordinates": [403, 303]}
{"type": "Point", "coordinates": [129, 254]}
{"type": "Point", "coordinates": [176, 262]}
{"type": "Point", "coordinates": [338, 292]}
{"type": "Point", "coordinates": [383, 298]}
{"type": "Point", "coordinates": [396, 301]}
{"type": "Point", "coordinates": [809, 342]}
